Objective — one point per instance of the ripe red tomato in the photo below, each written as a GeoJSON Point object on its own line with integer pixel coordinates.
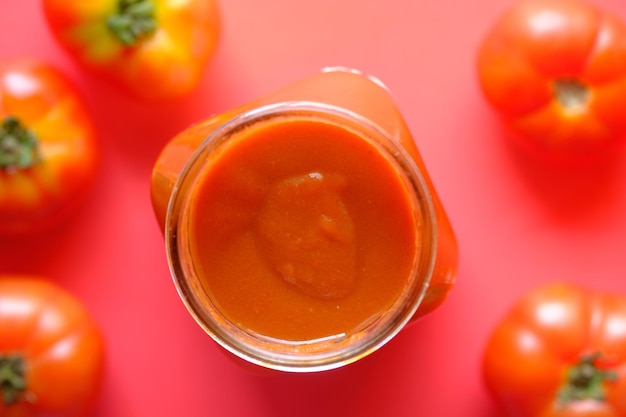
{"type": "Point", "coordinates": [48, 153]}
{"type": "Point", "coordinates": [560, 352]}
{"type": "Point", "coordinates": [51, 351]}
{"type": "Point", "coordinates": [153, 49]}
{"type": "Point", "coordinates": [556, 72]}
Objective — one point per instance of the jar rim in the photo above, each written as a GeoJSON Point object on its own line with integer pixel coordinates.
{"type": "Point", "coordinates": [331, 352]}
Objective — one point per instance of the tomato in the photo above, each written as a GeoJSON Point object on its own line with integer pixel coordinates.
{"type": "Point", "coordinates": [153, 49]}
{"type": "Point", "coordinates": [48, 153]}
{"type": "Point", "coordinates": [51, 351]}
{"type": "Point", "coordinates": [560, 352]}
{"type": "Point", "coordinates": [555, 70]}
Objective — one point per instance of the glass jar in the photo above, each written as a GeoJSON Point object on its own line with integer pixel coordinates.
{"type": "Point", "coordinates": [302, 229]}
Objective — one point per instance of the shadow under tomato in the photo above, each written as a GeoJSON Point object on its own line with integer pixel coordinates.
{"type": "Point", "coordinates": [134, 130]}
{"type": "Point", "coordinates": [569, 188]}
{"type": "Point", "coordinates": [31, 252]}
{"type": "Point", "coordinates": [138, 129]}
{"type": "Point", "coordinates": [45, 252]}
{"type": "Point", "coordinates": [28, 255]}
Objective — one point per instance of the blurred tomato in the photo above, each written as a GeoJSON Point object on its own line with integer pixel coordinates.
{"type": "Point", "coordinates": [154, 49]}
{"type": "Point", "coordinates": [560, 352]}
{"type": "Point", "coordinates": [556, 71]}
{"type": "Point", "coordinates": [51, 351]}
{"type": "Point", "coordinates": [48, 154]}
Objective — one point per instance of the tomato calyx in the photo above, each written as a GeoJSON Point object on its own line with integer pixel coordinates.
{"type": "Point", "coordinates": [585, 381]}
{"type": "Point", "coordinates": [134, 20]}
{"type": "Point", "coordinates": [571, 94]}
{"type": "Point", "coordinates": [12, 378]}
{"type": "Point", "coordinates": [19, 148]}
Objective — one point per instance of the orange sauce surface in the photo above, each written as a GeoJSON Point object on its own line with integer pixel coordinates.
{"type": "Point", "coordinates": [302, 229]}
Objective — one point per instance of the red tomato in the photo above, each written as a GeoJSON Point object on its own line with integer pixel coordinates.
{"type": "Point", "coordinates": [560, 352]}
{"type": "Point", "coordinates": [51, 351]}
{"type": "Point", "coordinates": [153, 49]}
{"type": "Point", "coordinates": [556, 71]}
{"type": "Point", "coordinates": [48, 154]}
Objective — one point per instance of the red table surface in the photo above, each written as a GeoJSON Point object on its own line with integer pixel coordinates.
{"type": "Point", "coordinates": [518, 224]}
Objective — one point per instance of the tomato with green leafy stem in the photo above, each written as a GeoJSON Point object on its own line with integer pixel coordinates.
{"type": "Point", "coordinates": [153, 49]}
{"type": "Point", "coordinates": [51, 351]}
{"type": "Point", "coordinates": [560, 352]}
{"type": "Point", "coordinates": [556, 72]}
{"type": "Point", "coordinates": [48, 152]}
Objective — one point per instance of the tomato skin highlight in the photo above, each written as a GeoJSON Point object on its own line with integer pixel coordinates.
{"type": "Point", "coordinates": [43, 193]}
{"type": "Point", "coordinates": [555, 70]}
{"type": "Point", "coordinates": [165, 62]}
{"type": "Point", "coordinates": [529, 357]}
{"type": "Point", "coordinates": [60, 345]}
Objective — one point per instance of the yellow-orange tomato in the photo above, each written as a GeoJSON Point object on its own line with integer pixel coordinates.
{"type": "Point", "coordinates": [48, 153]}
{"type": "Point", "coordinates": [51, 351]}
{"type": "Point", "coordinates": [153, 49]}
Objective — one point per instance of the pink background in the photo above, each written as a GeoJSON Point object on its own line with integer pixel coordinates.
{"type": "Point", "coordinates": [518, 223]}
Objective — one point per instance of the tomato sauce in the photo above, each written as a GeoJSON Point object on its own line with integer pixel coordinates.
{"type": "Point", "coordinates": [302, 229]}
{"type": "Point", "coordinates": [304, 239]}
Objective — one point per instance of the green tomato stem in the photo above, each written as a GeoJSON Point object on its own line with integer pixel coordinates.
{"type": "Point", "coordinates": [585, 381]}
{"type": "Point", "coordinates": [12, 378]}
{"type": "Point", "coordinates": [19, 148]}
{"type": "Point", "coordinates": [133, 21]}
{"type": "Point", "coordinates": [571, 94]}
